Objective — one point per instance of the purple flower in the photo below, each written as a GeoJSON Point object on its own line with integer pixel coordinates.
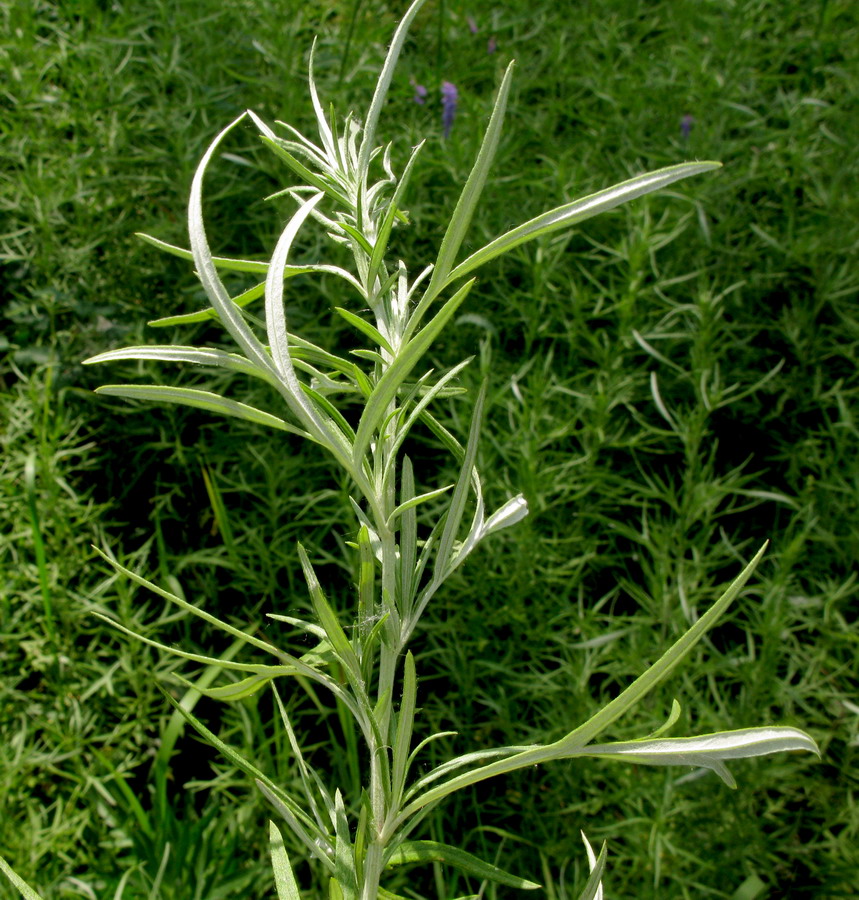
{"type": "Point", "coordinates": [472, 24]}
{"type": "Point", "coordinates": [449, 97]}
{"type": "Point", "coordinates": [491, 45]}
{"type": "Point", "coordinates": [420, 91]}
{"type": "Point", "coordinates": [686, 124]}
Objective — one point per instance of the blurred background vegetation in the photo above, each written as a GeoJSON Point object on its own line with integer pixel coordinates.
{"type": "Point", "coordinates": [670, 385]}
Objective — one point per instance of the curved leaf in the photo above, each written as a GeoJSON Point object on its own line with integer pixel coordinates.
{"type": "Point", "coordinates": [432, 851]}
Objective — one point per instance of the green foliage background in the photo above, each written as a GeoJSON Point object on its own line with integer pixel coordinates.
{"type": "Point", "coordinates": [669, 385]}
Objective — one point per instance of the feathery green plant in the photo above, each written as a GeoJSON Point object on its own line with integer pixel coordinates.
{"type": "Point", "coordinates": [349, 187]}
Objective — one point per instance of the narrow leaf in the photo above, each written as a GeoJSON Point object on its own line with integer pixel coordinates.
{"type": "Point", "coordinates": [383, 84]}
{"type": "Point", "coordinates": [460, 494]}
{"type": "Point", "coordinates": [222, 262]}
{"type": "Point", "coordinates": [320, 182]}
{"type": "Point", "coordinates": [212, 284]}
{"type": "Point", "coordinates": [576, 740]}
{"type": "Point", "coordinates": [416, 501]}
{"type": "Point", "coordinates": [230, 693]}
{"type": "Point", "coordinates": [197, 399]}
{"type": "Point", "coordinates": [284, 880]}
{"type": "Point", "coordinates": [384, 232]}
{"type": "Point", "coordinates": [196, 356]}
{"type": "Point", "coordinates": [365, 327]}
{"type": "Point", "coordinates": [579, 210]}
{"type": "Point", "coordinates": [593, 889]}
{"type": "Point", "coordinates": [709, 750]}
{"type": "Point", "coordinates": [405, 723]}
{"type": "Point", "coordinates": [386, 388]}
{"type": "Point", "coordinates": [468, 199]}
{"type": "Point", "coordinates": [432, 851]}
{"type": "Point", "coordinates": [25, 890]}
{"type": "Point", "coordinates": [328, 620]}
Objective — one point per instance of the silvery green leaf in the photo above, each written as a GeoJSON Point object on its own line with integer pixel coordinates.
{"type": "Point", "coordinates": [428, 396]}
{"type": "Point", "coordinates": [384, 232]}
{"type": "Point", "coordinates": [323, 183]}
{"type": "Point", "coordinates": [222, 262]}
{"type": "Point", "coordinates": [23, 888]}
{"type": "Point", "coordinates": [209, 278]}
{"type": "Point", "coordinates": [416, 501]}
{"type": "Point", "coordinates": [468, 199]}
{"type": "Point", "coordinates": [317, 422]}
{"type": "Point", "coordinates": [579, 210]}
{"type": "Point", "coordinates": [673, 716]}
{"type": "Point", "coordinates": [344, 860]}
{"type": "Point", "coordinates": [318, 844]}
{"type": "Point", "coordinates": [375, 543]}
{"type": "Point", "coordinates": [325, 134]}
{"type": "Point", "coordinates": [405, 723]}
{"type": "Point", "coordinates": [573, 744]}
{"type": "Point", "coordinates": [207, 400]}
{"type": "Point", "coordinates": [193, 355]}
{"type": "Point", "coordinates": [204, 315]}
{"type": "Point", "coordinates": [383, 84]}
{"type": "Point", "coordinates": [284, 880]}
{"type": "Point", "coordinates": [460, 494]}
{"type": "Point", "coordinates": [304, 825]}
{"type": "Point", "coordinates": [307, 772]}
{"type": "Point", "coordinates": [329, 621]}
{"type": "Point", "coordinates": [708, 750]}
{"type": "Point", "coordinates": [230, 693]}
{"type": "Point", "coordinates": [365, 327]}
{"type": "Point", "coordinates": [513, 511]}
{"type": "Point", "coordinates": [385, 390]}
{"type": "Point", "coordinates": [432, 851]}
{"type": "Point", "coordinates": [593, 889]}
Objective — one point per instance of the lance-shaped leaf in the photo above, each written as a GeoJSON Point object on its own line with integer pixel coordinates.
{"type": "Point", "coordinates": [314, 420]}
{"type": "Point", "coordinates": [254, 293]}
{"type": "Point", "coordinates": [284, 880]}
{"type": "Point", "coordinates": [405, 427]}
{"type": "Point", "coordinates": [319, 849]}
{"type": "Point", "coordinates": [416, 501]}
{"type": "Point", "coordinates": [209, 278]}
{"type": "Point", "coordinates": [382, 86]}
{"type": "Point", "coordinates": [230, 693]}
{"type": "Point", "coordinates": [579, 210]}
{"type": "Point", "coordinates": [196, 356]}
{"type": "Point", "coordinates": [387, 224]}
{"type": "Point", "coordinates": [198, 399]}
{"type": "Point", "coordinates": [23, 888]}
{"type": "Point", "coordinates": [386, 388]}
{"type": "Point", "coordinates": [405, 723]}
{"type": "Point", "coordinates": [512, 512]}
{"type": "Point", "coordinates": [329, 621]}
{"type": "Point", "coordinates": [460, 493]}
{"type": "Point", "coordinates": [432, 851]}
{"type": "Point", "coordinates": [308, 827]}
{"type": "Point", "coordinates": [323, 183]}
{"type": "Point", "coordinates": [344, 859]}
{"type": "Point", "coordinates": [709, 750]}
{"type": "Point", "coordinates": [593, 888]}
{"type": "Point", "coordinates": [572, 744]}
{"type": "Point", "coordinates": [467, 203]}
{"type": "Point", "coordinates": [307, 772]}
{"type": "Point", "coordinates": [221, 262]}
